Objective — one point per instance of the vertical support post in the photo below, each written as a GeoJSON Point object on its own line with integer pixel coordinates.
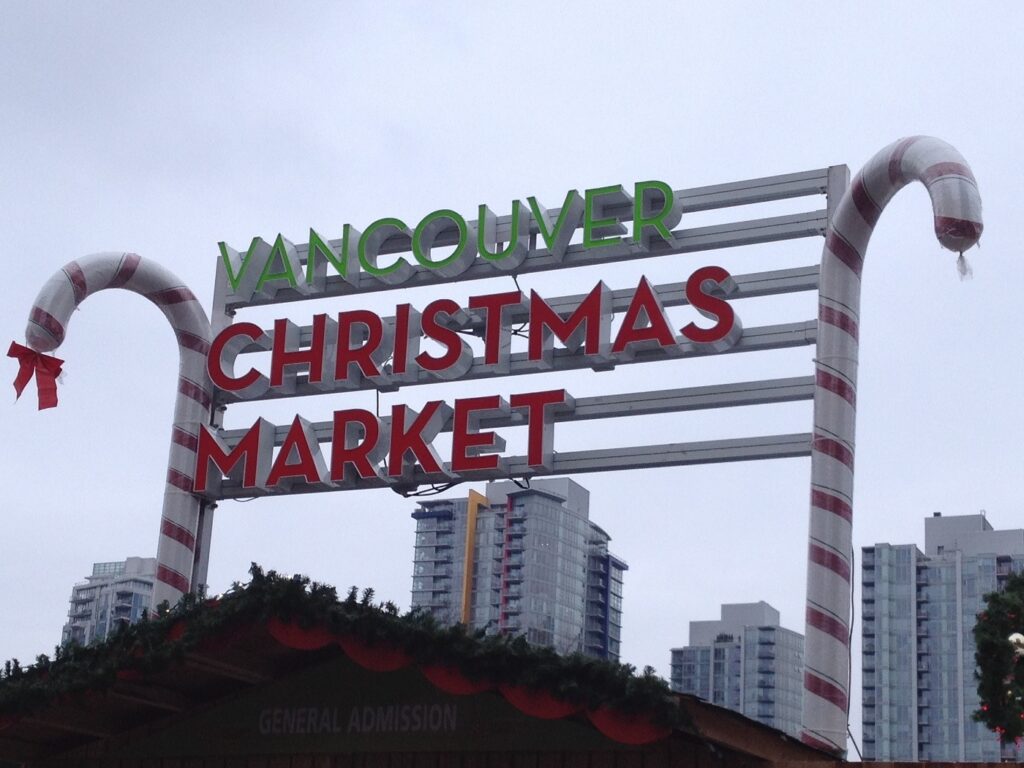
{"type": "Point", "coordinates": [220, 318]}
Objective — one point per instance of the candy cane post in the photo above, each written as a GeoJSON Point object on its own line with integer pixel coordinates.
{"type": "Point", "coordinates": [180, 526]}
{"type": "Point", "coordinates": [957, 209]}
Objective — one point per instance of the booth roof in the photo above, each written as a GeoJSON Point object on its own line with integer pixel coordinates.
{"type": "Point", "coordinates": [201, 652]}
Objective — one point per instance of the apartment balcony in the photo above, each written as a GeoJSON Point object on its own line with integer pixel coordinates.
{"type": "Point", "coordinates": [765, 653]}
{"type": "Point", "coordinates": [868, 594]}
{"type": "Point", "coordinates": [923, 699]}
{"type": "Point", "coordinates": [923, 665]}
{"type": "Point", "coordinates": [924, 735]}
{"type": "Point", "coordinates": [924, 681]}
{"type": "Point", "coordinates": [922, 630]}
{"type": "Point", "coordinates": [868, 700]}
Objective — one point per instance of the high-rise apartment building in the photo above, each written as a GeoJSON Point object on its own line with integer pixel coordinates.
{"type": "Point", "coordinates": [115, 593]}
{"type": "Point", "coordinates": [525, 561]}
{"type": "Point", "coordinates": [745, 662]}
{"type": "Point", "coordinates": [918, 616]}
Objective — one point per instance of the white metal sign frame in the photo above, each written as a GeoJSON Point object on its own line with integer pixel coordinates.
{"type": "Point", "coordinates": [846, 223]}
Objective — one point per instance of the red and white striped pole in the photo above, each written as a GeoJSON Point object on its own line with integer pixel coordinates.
{"type": "Point", "coordinates": [48, 322]}
{"type": "Point", "coordinates": [957, 208]}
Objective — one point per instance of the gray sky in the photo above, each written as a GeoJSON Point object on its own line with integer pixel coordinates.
{"type": "Point", "coordinates": [164, 130]}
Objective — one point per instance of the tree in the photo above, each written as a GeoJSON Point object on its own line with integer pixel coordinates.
{"type": "Point", "coordinates": [1000, 663]}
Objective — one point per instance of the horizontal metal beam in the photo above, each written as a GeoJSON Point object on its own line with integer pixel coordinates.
{"type": "Point", "coordinates": [751, 191]}
{"type": "Point", "coordinates": [758, 339]}
{"type": "Point", "coordinates": [750, 286]}
{"type": "Point", "coordinates": [603, 460]}
{"type": "Point", "coordinates": [654, 402]}
{"type": "Point", "coordinates": [674, 455]}
{"type": "Point", "coordinates": [729, 235]}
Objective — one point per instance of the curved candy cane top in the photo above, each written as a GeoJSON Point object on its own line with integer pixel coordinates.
{"type": "Point", "coordinates": [79, 279]}
{"type": "Point", "coordinates": [47, 327]}
{"type": "Point", "coordinates": [958, 225]}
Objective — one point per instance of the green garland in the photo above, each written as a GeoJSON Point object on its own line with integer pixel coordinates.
{"type": "Point", "coordinates": [1000, 671]}
{"type": "Point", "coordinates": [147, 646]}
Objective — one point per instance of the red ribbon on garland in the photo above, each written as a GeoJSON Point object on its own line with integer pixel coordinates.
{"type": "Point", "coordinates": [46, 369]}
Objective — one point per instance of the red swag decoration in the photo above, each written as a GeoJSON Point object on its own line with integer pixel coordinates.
{"type": "Point", "coordinates": [46, 369]}
{"type": "Point", "coordinates": [618, 726]}
{"type": "Point", "coordinates": [537, 703]}
{"type": "Point", "coordinates": [177, 630]}
{"type": "Point", "coordinates": [627, 729]}
{"type": "Point", "coordinates": [299, 638]}
{"type": "Point", "coordinates": [451, 680]}
{"type": "Point", "coordinates": [376, 658]}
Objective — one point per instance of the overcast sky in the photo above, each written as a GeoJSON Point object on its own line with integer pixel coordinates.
{"type": "Point", "coordinates": [163, 130]}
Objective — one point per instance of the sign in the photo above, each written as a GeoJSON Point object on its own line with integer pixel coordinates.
{"type": "Point", "coordinates": [357, 349]}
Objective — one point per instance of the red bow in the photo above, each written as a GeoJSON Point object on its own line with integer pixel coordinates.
{"type": "Point", "coordinates": [46, 368]}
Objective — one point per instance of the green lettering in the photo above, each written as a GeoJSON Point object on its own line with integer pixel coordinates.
{"type": "Point", "coordinates": [284, 251]}
{"type": "Point", "coordinates": [369, 247]}
{"type": "Point", "coordinates": [598, 229]}
{"type": "Point", "coordinates": [556, 238]}
{"type": "Point", "coordinates": [512, 255]}
{"type": "Point", "coordinates": [229, 256]}
{"type": "Point", "coordinates": [649, 213]}
{"type": "Point", "coordinates": [344, 263]}
{"type": "Point", "coordinates": [459, 260]}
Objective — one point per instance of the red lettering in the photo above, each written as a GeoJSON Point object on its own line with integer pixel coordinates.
{"type": "Point", "coordinates": [229, 343]}
{"type": "Point", "coordinates": [407, 338]}
{"type": "Point", "coordinates": [467, 446]}
{"type": "Point", "coordinates": [497, 338]}
{"type": "Point", "coordinates": [458, 356]}
{"type": "Point", "coordinates": [247, 461]}
{"type": "Point", "coordinates": [361, 355]}
{"type": "Point", "coordinates": [355, 437]}
{"type": "Point", "coordinates": [541, 435]}
{"type": "Point", "coordinates": [727, 329]}
{"type": "Point", "coordinates": [414, 441]}
{"type": "Point", "coordinates": [286, 334]}
{"type": "Point", "coordinates": [656, 329]}
{"type": "Point", "coordinates": [308, 463]}
{"type": "Point", "coordinates": [590, 323]}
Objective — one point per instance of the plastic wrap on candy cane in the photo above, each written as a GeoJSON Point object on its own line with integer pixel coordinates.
{"type": "Point", "coordinates": [958, 224]}
{"type": "Point", "coordinates": [47, 327]}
